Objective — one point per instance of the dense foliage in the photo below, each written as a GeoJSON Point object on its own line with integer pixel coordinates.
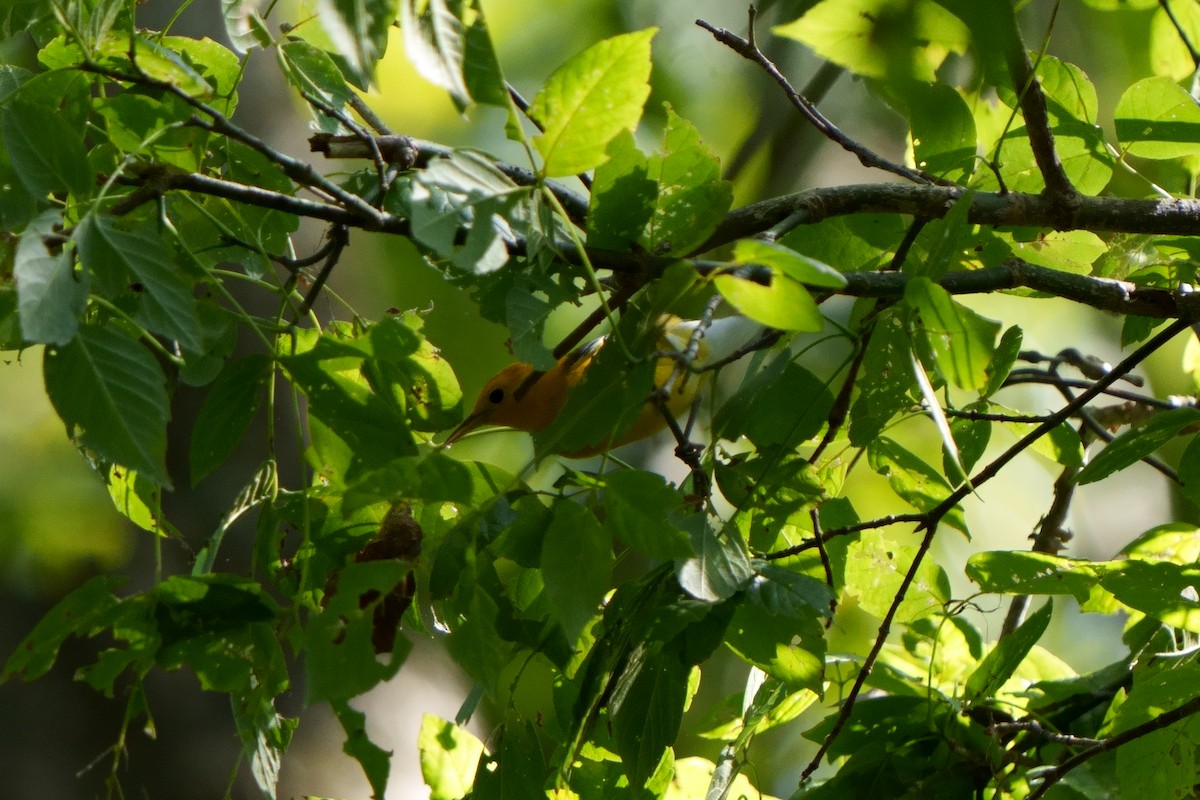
{"type": "Point", "coordinates": [589, 602]}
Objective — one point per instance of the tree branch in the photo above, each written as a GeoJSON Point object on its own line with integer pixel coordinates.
{"type": "Point", "coordinates": [933, 518]}
{"type": "Point", "coordinates": [778, 215]}
{"type": "Point", "coordinates": [748, 49]}
{"type": "Point", "coordinates": [1037, 120]}
{"type": "Point", "coordinates": [1163, 720]}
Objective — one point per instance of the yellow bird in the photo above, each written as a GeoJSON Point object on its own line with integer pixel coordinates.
{"type": "Point", "coordinates": [521, 397]}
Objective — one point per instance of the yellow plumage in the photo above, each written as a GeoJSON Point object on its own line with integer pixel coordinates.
{"type": "Point", "coordinates": [521, 397]}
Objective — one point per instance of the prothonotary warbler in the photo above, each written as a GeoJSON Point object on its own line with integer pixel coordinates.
{"type": "Point", "coordinates": [526, 399]}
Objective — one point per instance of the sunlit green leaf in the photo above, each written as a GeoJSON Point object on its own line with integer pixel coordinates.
{"type": "Point", "coordinates": [1002, 661]}
{"type": "Point", "coordinates": [1138, 442]}
{"type": "Point", "coordinates": [449, 755]}
{"type": "Point", "coordinates": [1031, 573]}
{"type": "Point", "coordinates": [963, 341]}
{"type": "Point", "coordinates": [691, 198]}
{"type": "Point", "coordinates": [589, 100]}
{"type": "Point", "coordinates": [783, 304]}
{"type": "Point", "coordinates": [892, 39]}
{"type": "Point", "coordinates": [913, 480]}
{"type": "Point", "coordinates": [1156, 118]}
{"type": "Point", "coordinates": [875, 568]}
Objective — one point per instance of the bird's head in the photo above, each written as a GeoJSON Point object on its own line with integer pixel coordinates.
{"type": "Point", "coordinates": [504, 401]}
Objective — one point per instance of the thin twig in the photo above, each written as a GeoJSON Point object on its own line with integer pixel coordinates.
{"type": "Point", "coordinates": [748, 49]}
{"type": "Point", "coordinates": [1166, 719]}
{"type": "Point", "coordinates": [833, 533]}
{"type": "Point", "coordinates": [933, 517]}
{"type": "Point", "coordinates": [1032, 101]}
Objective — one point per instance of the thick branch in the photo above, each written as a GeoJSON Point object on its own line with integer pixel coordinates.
{"type": "Point", "coordinates": [1037, 120]}
{"type": "Point", "coordinates": [1105, 294]}
{"type": "Point", "coordinates": [778, 215]}
{"type": "Point", "coordinates": [410, 152]}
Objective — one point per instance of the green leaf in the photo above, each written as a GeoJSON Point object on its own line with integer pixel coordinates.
{"type": "Point", "coordinates": [1061, 445]}
{"type": "Point", "coordinates": [783, 404]}
{"type": "Point", "coordinates": [623, 196]}
{"type": "Point", "coordinates": [1177, 542]}
{"type": "Point", "coordinates": [720, 569]}
{"type": "Point", "coordinates": [577, 562]}
{"type": "Point", "coordinates": [449, 755]}
{"type": "Point", "coordinates": [1161, 763]}
{"type": "Point", "coordinates": [123, 260]}
{"type": "Point", "coordinates": [464, 191]}
{"type": "Point", "coordinates": [886, 379]}
{"type": "Point", "coordinates": [783, 259]}
{"type": "Point", "coordinates": [589, 100]}
{"type": "Point", "coordinates": [640, 506]}
{"type": "Point", "coordinates": [691, 199]}
{"type": "Point", "coordinates": [139, 500]}
{"type": "Point", "coordinates": [1031, 573]}
{"type": "Point", "coordinates": [311, 71]}
{"type": "Point", "coordinates": [914, 481]}
{"type": "Point", "coordinates": [155, 128]}
{"type": "Point", "coordinates": [782, 592]}
{"type": "Point", "coordinates": [875, 568]}
{"type": "Point", "coordinates": [784, 304]}
{"type": "Point", "coordinates": [359, 31]}
{"type": "Point", "coordinates": [45, 152]}
{"type": "Point", "coordinates": [244, 26]}
{"type": "Point", "coordinates": [1000, 664]}
{"type": "Point", "coordinates": [941, 130]}
{"type": "Point", "coordinates": [1167, 47]}
{"type": "Point", "coordinates": [1007, 352]}
{"type": "Point", "coordinates": [1069, 251]}
{"type": "Point", "coordinates": [1138, 442]}
{"type": "Point", "coordinates": [434, 477]}
{"type": "Point", "coordinates": [409, 367]}
{"type": "Point", "coordinates": [376, 762]}
{"type": "Point", "coordinates": [50, 295]}
{"type": "Point", "coordinates": [971, 437]}
{"type": "Point", "coordinates": [449, 44]}
{"type": "Point", "coordinates": [481, 69]}
{"type": "Point", "coordinates": [517, 769]}
{"type": "Point", "coordinates": [789, 649]}
{"type": "Point", "coordinates": [372, 426]}
{"type": "Point", "coordinates": [963, 342]}
{"type": "Point", "coordinates": [227, 412]}
{"type": "Point", "coordinates": [111, 393]}
{"type": "Point", "coordinates": [1156, 118]}
{"type": "Point", "coordinates": [74, 615]}
{"type": "Point", "coordinates": [771, 490]}
{"type": "Point", "coordinates": [1160, 589]}
{"type": "Point", "coordinates": [646, 715]}
{"type": "Point", "coordinates": [526, 316]}
{"type": "Point", "coordinates": [896, 40]}
{"type": "Point", "coordinates": [340, 661]}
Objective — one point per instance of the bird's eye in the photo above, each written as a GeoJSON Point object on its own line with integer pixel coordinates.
{"type": "Point", "coordinates": [496, 396]}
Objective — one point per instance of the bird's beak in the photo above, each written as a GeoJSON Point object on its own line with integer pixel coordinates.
{"type": "Point", "coordinates": [466, 426]}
